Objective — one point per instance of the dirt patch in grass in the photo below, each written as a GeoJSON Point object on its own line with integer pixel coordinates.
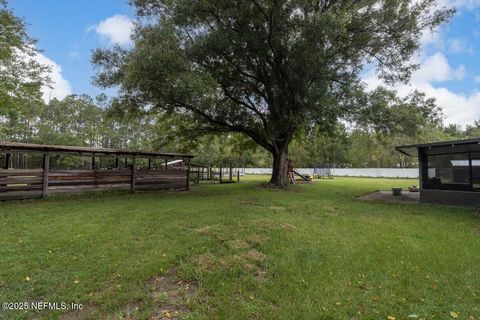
{"type": "Point", "coordinates": [277, 208]}
{"type": "Point", "coordinates": [270, 224]}
{"type": "Point", "coordinates": [242, 250]}
{"type": "Point", "coordinates": [235, 261]}
{"type": "Point", "coordinates": [243, 256]}
{"type": "Point", "coordinates": [206, 230]}
{"type": "Point", "coordinates": [205, 262]}
{"type": "Point", "coordinates": [249, 262]}
{"type": "Point", "coordinates": [214, 232]}
{"type": "Point", "coordinates": [255, 255]}
{"type": "Point", "coordinates": [171, 296]}
{"type": "Point", "coordinates": [288, 226]}
{"type": "Point", "coordinates": [237, 244]}
{"type": "Point", "coordinates": [386, 196]}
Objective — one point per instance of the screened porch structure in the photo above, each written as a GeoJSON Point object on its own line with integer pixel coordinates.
{"type": "Point", "coordinates": [34, 170]}
{"type": "Point", "coordinates": [449, 171]}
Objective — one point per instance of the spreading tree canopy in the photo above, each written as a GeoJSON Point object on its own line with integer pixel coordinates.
{"type": "Point", "coordinates": [265, 68]}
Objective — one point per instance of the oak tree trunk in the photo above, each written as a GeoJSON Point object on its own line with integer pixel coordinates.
{"type": "Point", "coordinates": [280, 169]}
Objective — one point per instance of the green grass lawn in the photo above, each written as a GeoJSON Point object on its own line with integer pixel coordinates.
{"type": "Point", "coordinates": [240, 251]}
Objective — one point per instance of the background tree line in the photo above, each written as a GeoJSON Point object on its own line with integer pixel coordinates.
{"type": "Point", "coordinates": [84, 121]}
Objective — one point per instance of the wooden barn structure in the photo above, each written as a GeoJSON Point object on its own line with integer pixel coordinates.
{"type": "Point", "coordinates": [34, 170]}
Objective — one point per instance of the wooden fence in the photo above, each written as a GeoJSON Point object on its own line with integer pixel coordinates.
{"type": "Point", "coordinates": [18, 184]}
{"type": "Point", "coordinates": [21, 184]}
{"type": "Point", "coordinates": [208, 173]}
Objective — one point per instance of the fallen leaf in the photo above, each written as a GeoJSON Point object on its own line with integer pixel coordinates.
{"type": "Point", "coordinates": [391, 318]}
{"type": "Point", "coordinates": [76, 281]}
{"type": "Point", "coordinates": [454, 314]}
{"type": "Point", "coordinates": [27, 278]}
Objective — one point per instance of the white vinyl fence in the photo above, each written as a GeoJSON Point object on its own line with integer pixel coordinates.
{"type": "Point", "coordinates": [349, 172]}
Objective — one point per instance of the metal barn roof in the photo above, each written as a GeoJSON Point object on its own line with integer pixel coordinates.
{"type": "Point", "coordinates": [411, 149]}
{"type": "Point", "coordinates": [20, 146]}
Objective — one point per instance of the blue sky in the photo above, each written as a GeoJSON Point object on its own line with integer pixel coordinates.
{"type": "Point", "coordinates": [67, 32]}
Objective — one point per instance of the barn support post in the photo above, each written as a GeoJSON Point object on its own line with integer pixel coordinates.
{"type": "Point", "coordinates": [7, 160]}
{"type": "Point", "coordinates": [166, 164]}
{"type": "Point", "coordinates": [188, 174]}
{"type": "Point", "coordinates": [149, 163]}
{"type": "Point", "coordinates": [132, 186]}
{"type": "Point", "coordinates": [116, 162]}
{"type": "Point", "coordinates": [423, 167]}
{"type": "Point", "coordinates": [470, 170]}
{"type": "Point", "coordinates": [94, 165]}
{"type": "Point", "coordinates": [46, 169]}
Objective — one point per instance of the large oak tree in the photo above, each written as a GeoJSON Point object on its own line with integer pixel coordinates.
{"type": "Point", "coordinates": [264, 68]}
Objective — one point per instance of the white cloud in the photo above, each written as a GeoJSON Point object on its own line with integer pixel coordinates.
{"type": "Point", "coordinates": [476, 79]}
{"type": "Point", "coordinates": [436, 68]}
{"type": "Point", "coordinates": [431, 37]}
{"type": "Point", "coordinates": [457, 46]}
{"type": "Point", "coordinates": [60, 87]}
{"type": "Point", "coordinates": [458, 108]}
{"type": "Point", "coordinates": [116, 29]}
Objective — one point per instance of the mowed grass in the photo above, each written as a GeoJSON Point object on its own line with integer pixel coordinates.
{"type": "Point", "coordinates": [312, 252]}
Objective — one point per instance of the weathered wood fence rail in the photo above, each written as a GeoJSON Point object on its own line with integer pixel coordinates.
{"type": "Point", "coordinates": [170, 172]}
{"type": "Point", "coordinates": [17, 184]}
{"type": "Point", "coordinates": [223, 174]}
{"type": "Point", "coordinates": [161, 179]}
{"type": "Point", "coordinates": [21, 184]}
